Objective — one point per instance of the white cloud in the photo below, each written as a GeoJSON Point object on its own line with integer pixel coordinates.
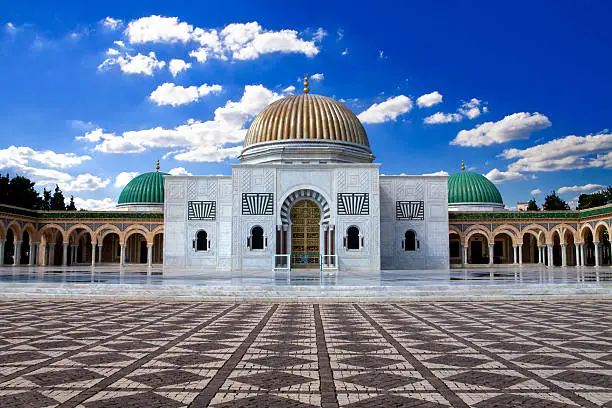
{"type": "Point", "coordinates": [381, 55]}
{"type": "Point", "coordinates": [437, 173]}
{"type": "Point", "coordinates": [317, 77]}
{"type": "Point", "coordinates": [124, 178]}
{"type": "Point", "coordinates": [386, 111]}
{"type": "Point", "coordinates": [95, 205]}
{"type": "Point", "coordinates": [430, 99]}
{"type": "Point", "coordinates": [178, 65]}
{"type": "Point", "coordinates": [537, 191]}
{"type": "Point", "coordinates": [119, 43]}
{"type": "Point", "coordinates": [580, 189]}
{"type": "Point", "coordinates": [92, 136]}
{"type": "Point", "coordinates": [85, 182]}
{"type": "Point", "coordinates": [496, 176]}
{"type": "Point", "coordinates": [440, 117]}
{"type": "Point", "coordinates": [10, 28]}
{"type": "Point", "coordinates": [345, 52]}
{"type": "Point", "coordinates": [513, 127]}
{"type": "Point", "coordinates": [289, 89]}
{"type": "Point", "coordinates": [18, 157]}
{"type": "Point", "coordinates": [133, 64]}
{"type": "Point", "coordinates": [200, 141]}
{"type": "Point", "coordinates": [175, 95]}
{"type": "Point", "coordinates": [240, 41]}
{"type": "Point", "coordinates": [567, 153]}
{"type": "Point", "coordinates": [472, 108]}
{"type": "Point", "coordinates": [179, 171]}
{"type": "Point", "coordinates": [111, 23]}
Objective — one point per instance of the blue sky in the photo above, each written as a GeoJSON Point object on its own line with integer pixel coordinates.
{"type": "Point", "coordinates": [519, 90]}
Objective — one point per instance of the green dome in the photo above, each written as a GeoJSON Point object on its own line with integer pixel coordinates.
{"type": "Point", "coordinates": [467, 187]}
{"type": "Point", "coordinates": [146, 188]}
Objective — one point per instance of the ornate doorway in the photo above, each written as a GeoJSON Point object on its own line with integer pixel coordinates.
{"type": "Point", "coordinates": [305, 235]}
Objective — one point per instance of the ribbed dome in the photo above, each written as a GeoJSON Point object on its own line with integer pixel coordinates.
{"type": "Point", "coordinates": [146, 188]}
{"type": "Point", "coordinates": [467, 187]}
{"type": "Point", "coordinates": [306, 117]}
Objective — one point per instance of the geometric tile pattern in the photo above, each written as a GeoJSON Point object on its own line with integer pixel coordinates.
{"type": "Point", "coordinates": [429, 355]}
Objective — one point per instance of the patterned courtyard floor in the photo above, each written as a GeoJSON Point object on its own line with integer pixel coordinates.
{"type": "Point", "coordinates": [131, 354]}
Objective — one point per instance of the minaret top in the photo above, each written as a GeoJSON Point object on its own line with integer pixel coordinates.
{"type": "Point", "coordinates": [157, 165]}
{"type": "Point", "coordinates": [306, 88]}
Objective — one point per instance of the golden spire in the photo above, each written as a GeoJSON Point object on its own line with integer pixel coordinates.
{"type": "Point", "coordinates": [462, 165]}
{"type": "Point", "coordinates": [306, 88]}
{"type": "Point", "coordinates": [157, 165]}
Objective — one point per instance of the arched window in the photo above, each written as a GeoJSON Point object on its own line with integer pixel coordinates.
{"type": "Point", "coordinates": [257, 238]}
{"type": "Point", "coordinates": [410, 241]}
{"type": "Point", "coordinates": [201, 241]}
{"type": "Point", "coordinates": [352, 238]}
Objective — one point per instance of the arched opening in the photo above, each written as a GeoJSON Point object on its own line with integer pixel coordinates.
{"type": "Point", "coordinates": [257, 237]}
{"type": "Point", "coordinates": [9, 247]}
{"type": "Point", "coordinates": [530, 248]}
{"type": "Point", "coordinates": [136, 248]}
{"type": "Point", "coordinates": [24, 258]}
{"type": "Point", "coordinates": [57, 248]}
{"type": "Point", "coordinates": [478, 249]}
{"type": "Point", "coordinates": [503, 250]}
{"type": "Point", "coordinates": [352, 238]}
{"type": "Point", "coordinates": [158, 248]}
{"type": "Point", "coordinates": [111, 248]}
{"type": "Point", "coordinates": [589, 247]}
{"type": "Point", "coordinates": [202, 241]}
{"type": "Point", "coordinates": [410, 241]}
{"type": "Point", "coordinates": [570, 249]}
{"type": "Point", "coordinates": [80, 247]}
{"type": "Point", "coordinates": [454, 248]}
{"type": "Point", "coordinates": [305, 234]}
{"type": "Point", "coordinates": [604, 245]}
{"type": "Point", "coordinates": [556, 248]}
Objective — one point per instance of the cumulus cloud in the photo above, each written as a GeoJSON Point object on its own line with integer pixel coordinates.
{"type": "Point", "coordinates": [567, 153]}
{"type": "Point", "coordinates": [175, 95]}
{"type": "Point", "coordinates": [386, 111]}
{"type": "Point", "coordinates": [513, 127]}
{"type": "Point", "coordinates": [240, 41]}
{"type": "Point", "coordinates": [473, 108]}
{"type": "Point", "coordinates": [92, 204]}
{"type": "Point", "coordinates": [132, 64]}
{"type": "Point", "coordinates": [178, 65]}
{"type": "Point", "coordinates": [20, 156]}
{"type": "Point", "coordinates": [496, 176]}
{"type": "Point", "coordinates": [439, 117]}
{"type": "Point", "coordinates": [345, 52]}
{"type": "Point", "coordinates": [317, 77]}
{"type": "Point", "coordinates": [289, 89]}
{"type": "Point", "coordinates": [179, 171]}
{"type": "Point", "coordinates": [85, 182]}
{"type": "Point", "coordinates": [211, 140]}
{"type": "Point", "coordinates": [437, 173]}
{"type": "Point", "coordinates": [580, 189]}
{"type": "Point", "coordinates": [111, 23]}
{"type": "Point", "coordinates": [124, 178]}
{"type": "Point", "coordinates": [430, 99]}
{"type": "Point", "coordinates": [536, 191]}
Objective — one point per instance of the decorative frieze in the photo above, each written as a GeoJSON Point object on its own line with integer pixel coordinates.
{"type": "Point", "coordinates": [257, 203]}
{"type": "Point", "coordinates": [410, 210]}
{"type": "Point", "coordinates": [353, 204]}
{"type": "Point", "coordinates": [201, 210]}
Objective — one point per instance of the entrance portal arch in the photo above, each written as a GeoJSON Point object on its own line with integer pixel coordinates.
{"type": "Point", "coordinates": [305, 226]}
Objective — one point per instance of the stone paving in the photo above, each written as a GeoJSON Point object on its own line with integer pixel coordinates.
{"type": "Point", "coordinates": [427, 355]}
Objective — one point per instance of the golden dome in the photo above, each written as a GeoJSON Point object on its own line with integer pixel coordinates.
{"type": "Point", "coordinates": [306, 117]}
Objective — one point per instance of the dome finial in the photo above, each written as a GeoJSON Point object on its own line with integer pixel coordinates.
{"type": "Point", "coordinates": [306, 88]}
{"type": "Point", "coordinates": [462, 165]}
{"type": "Point", "coordinates": [157, 165]}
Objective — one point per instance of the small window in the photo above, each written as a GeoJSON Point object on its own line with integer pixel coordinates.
{"type": "Point", "coordinates": [201, 241]}
{"type": "Point", "coordinates": [257, 238]}
{"type": "Point", "coordinates": [410, 241]}
{"type": "Point", "coordinates": [352, 238]}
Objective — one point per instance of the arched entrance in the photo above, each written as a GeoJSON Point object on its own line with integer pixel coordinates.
{"type": "Point", "coordinates": [136, 248]}
{"type": "Point", "coordinates": [478, 252]}
{"type": "Point", "coordinates": [530, 248]}
{"type": "Point", "coordinates": [454, 248]}
{"type": "Point", "coordinates": [305, 235]}
{"type": "Point", "coordinates": [111, 249]}
{"type": "Point", "coordinates": [503, 250]}
{"type": "Point", "coordinates": [9, 247]}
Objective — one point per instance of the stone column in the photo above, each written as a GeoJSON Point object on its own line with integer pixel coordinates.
{"type": "Point", "coordinates": [44, 255]}
{"type": "Point", "coordinates": [577, 248]}
{"type": "Point", "coordinates": [100, 253]}
{"type": "Point", "coordinates": [17, 253]}
{"type": "Point", "coordinates": [464, 260]}
{"type": "Point", "coordinates": [596, 253]}
{"type": "Point", "coordinates": [563, 254]}
{"type": "Point", "coordinates": [149, 255]}
{"type": "Point", "coordinates": [93, 253]}
{"type": "Point", "coordinates": [514, 254]}
{"type": "Point", "coordinates": [2, 241]}
{"type": "Point", "coordinates": [491, 254]}
{"type": "Point", "coordinates": [550, 255]}
{"type": "Point", "coordinates": [32, 253]}
{"type": "Point", "coordinates": [520, 253]}
{"type": "Point", "coordinates": [582, 255]}
{"type": "Point", "coordinates": [122, 255]}
{"type": "Point", "coordinates": [65, 254]}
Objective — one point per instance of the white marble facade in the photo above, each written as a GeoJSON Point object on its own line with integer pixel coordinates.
{"type": "Point", "coordinates": [382, 226]}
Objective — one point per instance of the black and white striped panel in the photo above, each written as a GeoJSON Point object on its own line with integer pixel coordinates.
{"type": "Point", "coordinates": [201, 210]}
{"type": "Point", "coordinates": [353, 204]}
{"type": "Point", "coordinates": [410, 210]}
{"type": "Point", "coordinates": [305, 194]}
{"type": "Point", "coordinates": [257, 203]}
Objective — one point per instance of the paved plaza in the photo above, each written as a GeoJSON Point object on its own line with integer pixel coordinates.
{"type": "Point", "coordinates": [427, 355]}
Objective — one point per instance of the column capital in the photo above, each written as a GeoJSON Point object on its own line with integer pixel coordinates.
{"type": "Point", "coordinates": [150, 245]}
{"type": "Point", "coordinates": [65, 244]}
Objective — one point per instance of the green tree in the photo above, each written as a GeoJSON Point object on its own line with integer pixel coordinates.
{"type": "Point", "coordinates": [595, 199]}
{"type": "Point", "coordinates": [532, 205]}
{"type": "Point", "coordinates": [71, 206]}
{"type": "Point", "coordinates": [553, 202]}
{"type": "Point", "coordinates": [46, 200]}
{"type": "Point", "coordinates": [58, 202]}
{"type": "Point", "coordinates": [4, 189]}
{"type": "Point", "coordinates": [21, 193]}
